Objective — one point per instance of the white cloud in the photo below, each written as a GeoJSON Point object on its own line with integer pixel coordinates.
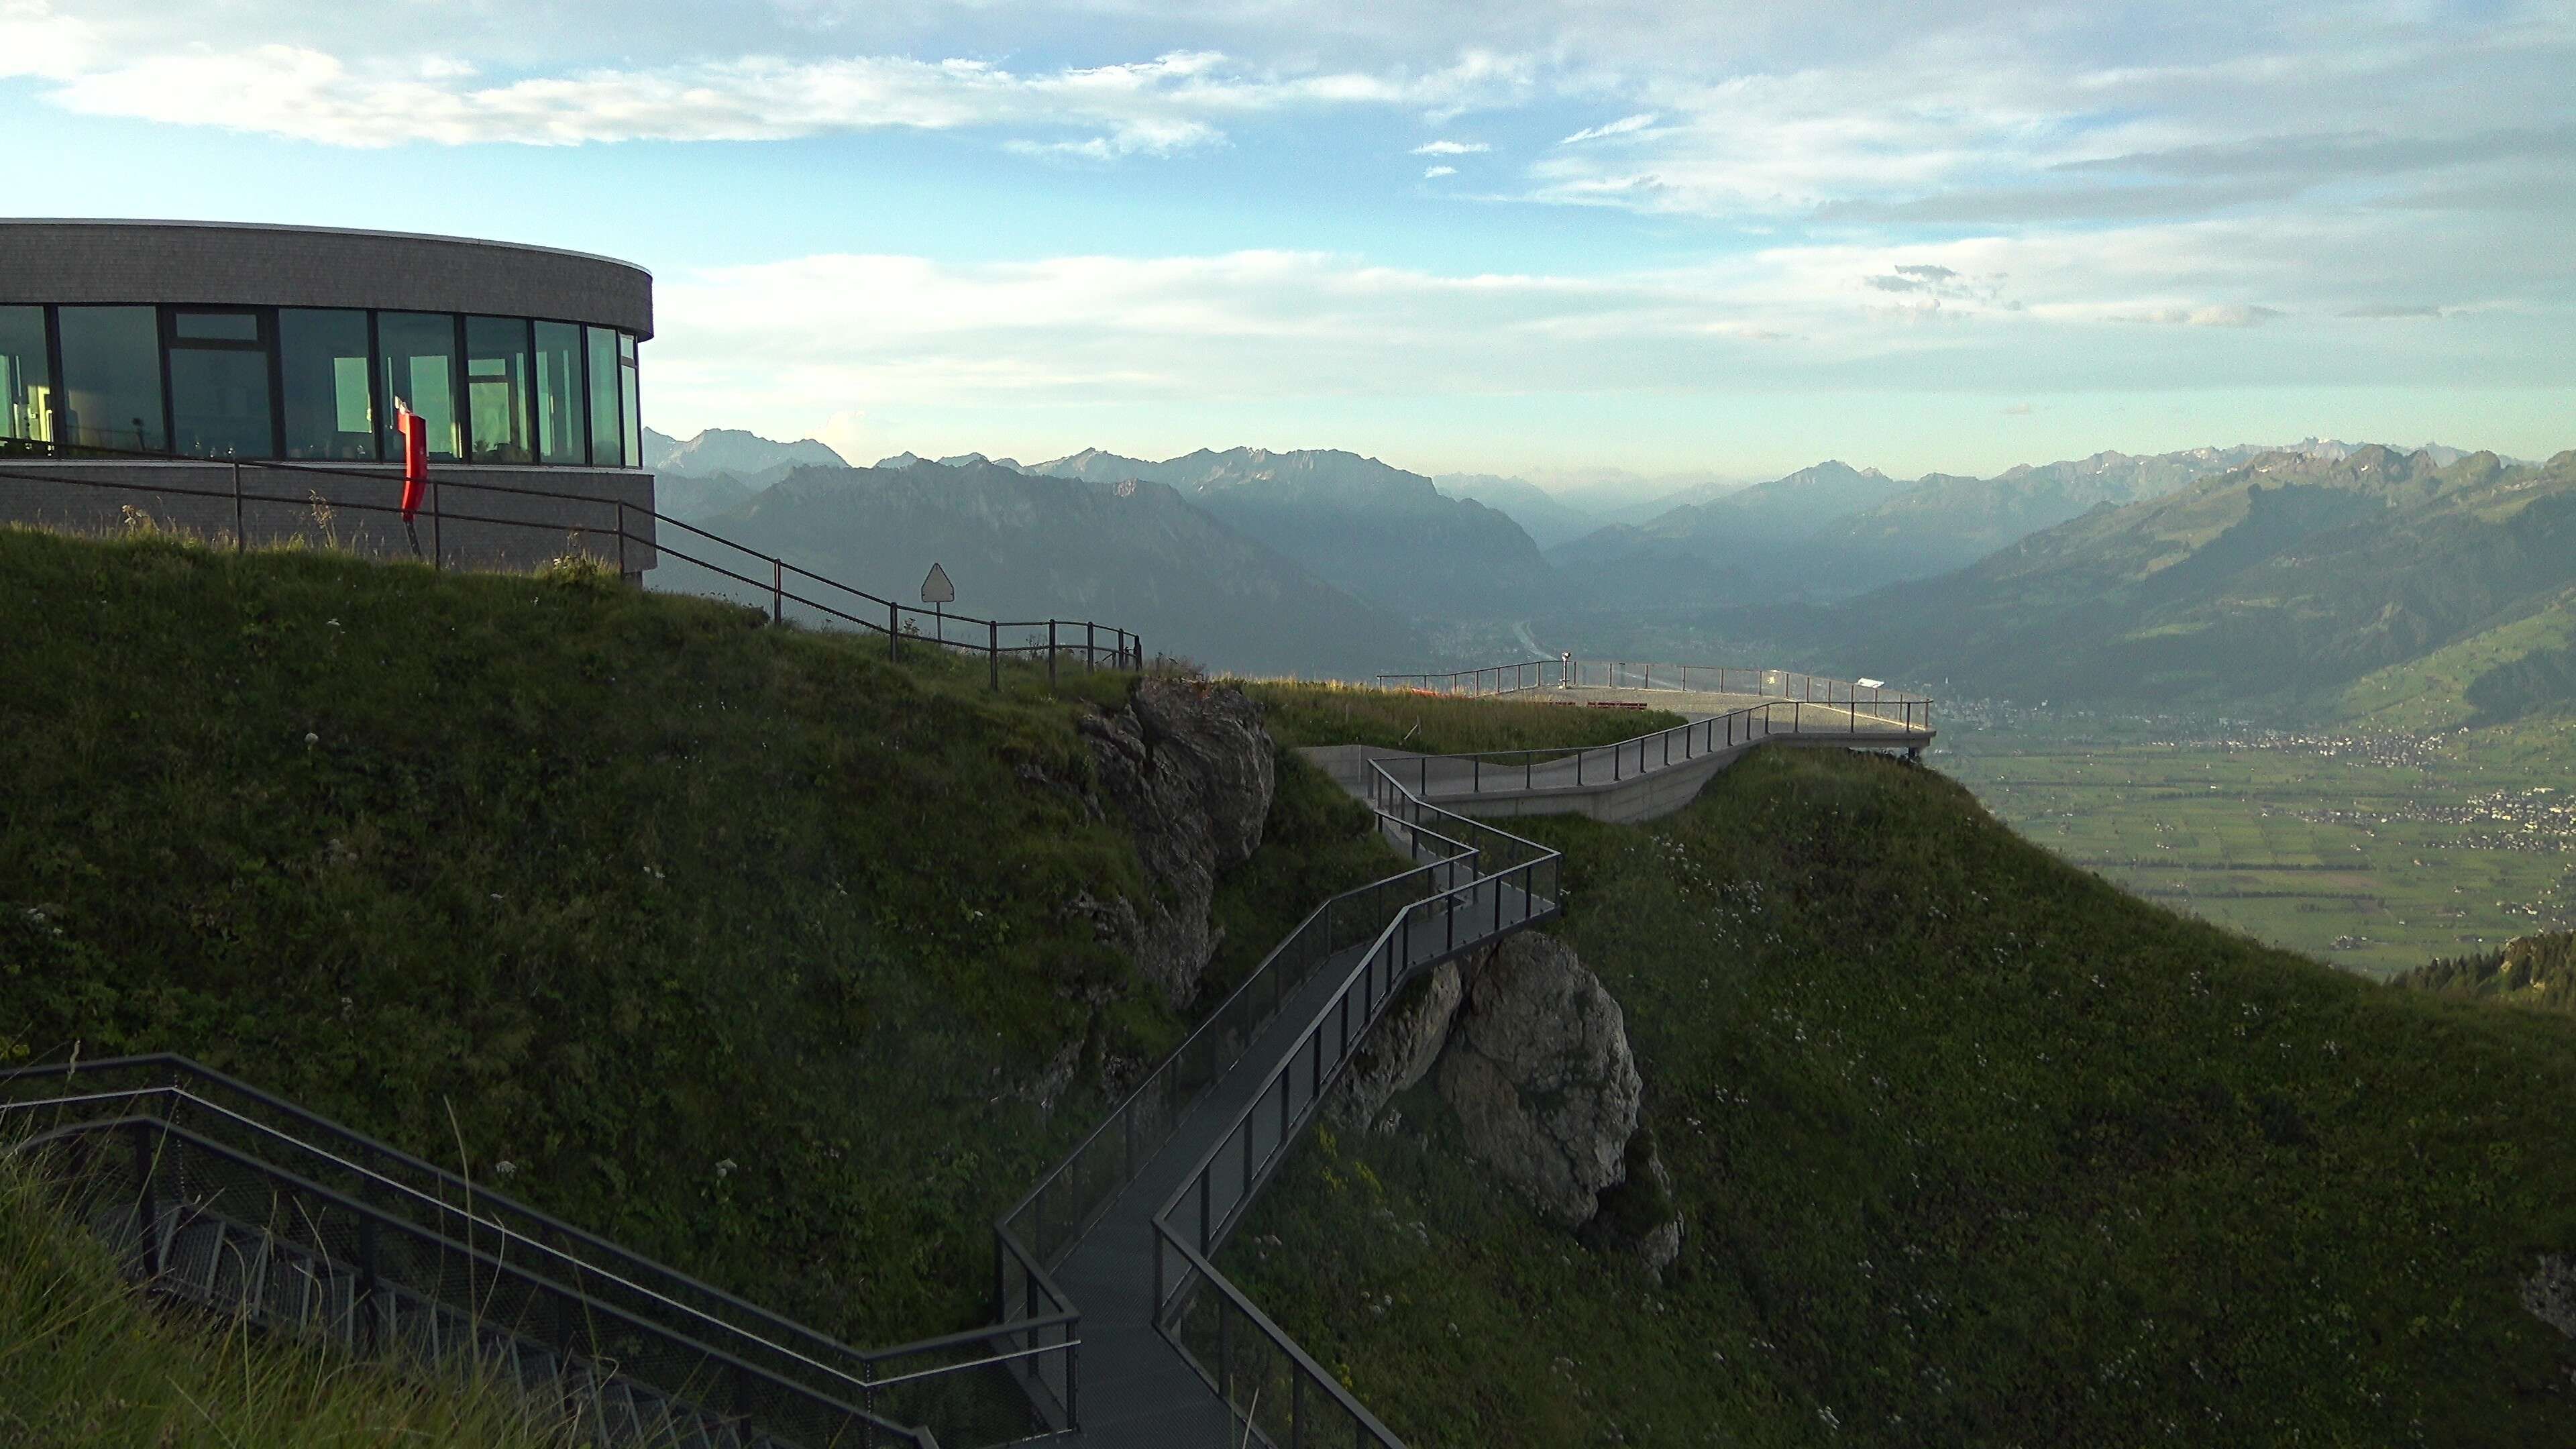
{"type": "Point", "coordinates": [1429, 172]}
{"type": "Point", "coordinates": [1176, 101]}
{"type": "Point", "coordinates": [1450, 148]}
{"type": "Point", "coordinates": [1620, 127]}
{"type": "Point", "coordinates": [794, 341]}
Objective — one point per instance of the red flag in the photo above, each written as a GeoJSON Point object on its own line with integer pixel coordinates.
{"type": "Point", "coordinates": [414, 432]}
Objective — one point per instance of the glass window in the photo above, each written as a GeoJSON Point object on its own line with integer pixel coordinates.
{"type": "Point", "coordinates": [496, 389]}
{"type": "Point", "coordinates": [112, 378]}
{"type": "Point", "coordinates": [563, 424]}
{"type": "Point", "coordinates": [26, 380]}
{"type": "Point", "coordinates": [322, 366]}
{"type": "Point", "coordinates": [634, 421]}
{"type": "Point", "coordinates": [219, 386]}
{"type": "Point", "coordinates": [420, 369]}
{"type": "Point", "coordinates": [215, 326]}
{"type": "Point", "coordinates": [606, 436]}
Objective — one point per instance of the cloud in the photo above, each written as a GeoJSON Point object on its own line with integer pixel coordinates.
{"type": "Point", "coordinates": [1177, 101]}
{"type": "Point", "coordinates": [2018, 410]}
{"type": "Point", "coordinates": [1429, 172]}
{"type": "Point", "coordinates": [1450, 148]}
{"type": "Point", "coordinates": [2389, 311]}
{"type": "Point", "coordinates": [1620, 127]}
{"type": "Point", "coordinates": [2232, 314]}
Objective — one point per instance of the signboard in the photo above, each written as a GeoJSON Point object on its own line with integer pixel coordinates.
{"type": "Point", "coordinates": [936, 589]}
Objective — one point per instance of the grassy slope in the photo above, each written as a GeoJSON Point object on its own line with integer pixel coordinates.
{"type": "Point", "coordinates": [2433, 692]}
{"type": "Point", "coordinates": [84, 1362]}
{"type": "Point", "coordinates": [1341, 714]}
{"type": "Point", "coordinates": [741, 945]}
{"type": "Point", "coordinates": [1974, 1149]}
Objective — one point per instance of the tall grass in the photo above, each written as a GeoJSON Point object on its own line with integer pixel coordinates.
{"type": "Point", "coordinates": [86, 1361]}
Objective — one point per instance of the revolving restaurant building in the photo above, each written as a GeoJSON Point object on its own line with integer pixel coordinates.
{"type": "Point", "coordinates": [241, 381]}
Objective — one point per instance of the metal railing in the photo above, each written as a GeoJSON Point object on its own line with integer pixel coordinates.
{"type": "Point", "coordinates": [1529, 674]}
{"type": "Point", "coordinates": [1898, 723]}
{"type": "Point", "coordinates": [380, 1240]}
{"type": "Point", "coordinates": [609, 529]}
{"type": "Point", "coordinates": [1271, 1386]}
{"type": "Point", "coordinates": [1046, 1224]}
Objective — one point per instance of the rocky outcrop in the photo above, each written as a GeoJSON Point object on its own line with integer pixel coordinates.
{"type": "Point", "coordinates": [1189, 770]}
{"type": "Point", "coordinates": [1402, 1048]}
{"type": "Point", "coordinates": [1532, 1054]}
{"type": "Point", "coordinates": [1540, 1075]}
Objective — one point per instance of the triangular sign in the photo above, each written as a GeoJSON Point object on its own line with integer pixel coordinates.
{"type": "Point", "coordinates": [936, 589]}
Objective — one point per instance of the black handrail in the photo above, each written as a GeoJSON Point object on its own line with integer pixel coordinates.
{"type": "Point", "coordinates": [1124, 648]}
{"type": "Point", "coordinates": [583, 1306]}
{"type": "Point", "coordinates": [1508, 865]}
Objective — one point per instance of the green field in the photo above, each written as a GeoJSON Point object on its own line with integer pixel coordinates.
{"type": "Point", "coordinates": [2373, 849]}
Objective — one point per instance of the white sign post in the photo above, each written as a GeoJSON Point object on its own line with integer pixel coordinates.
{"type": "Point", "coordinates": [936, 590]}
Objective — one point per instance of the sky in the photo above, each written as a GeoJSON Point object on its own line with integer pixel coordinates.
{"type": "Point", "coordinates": [1668, 236]}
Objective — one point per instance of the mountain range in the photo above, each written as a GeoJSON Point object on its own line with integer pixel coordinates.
{"type": "Point", "coordinates": [2291, 582]}
{"type": "Point", "coordinates": [1025, 545]}
{"type": "Point", "coordinates": [721, 468]}
{"type": "Point", "coordinates": [2238, 575]}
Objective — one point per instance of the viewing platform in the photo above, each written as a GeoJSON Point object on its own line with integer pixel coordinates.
{"type": "Point", "coordinates": [1728, 712]}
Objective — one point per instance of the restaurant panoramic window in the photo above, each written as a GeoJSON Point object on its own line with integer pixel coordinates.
{"type": "Point", "coordinates": [26, 380]}
{"type": "Point", "coordinates": [112, 378]}
{"type": "Point", "coordinates": [634, 436]}
{"type": "Point", "coordinates": [563, 426]}
{"type": "Point", "coordinates": [322, 365]}
{"type": "Point", "coordinates": [420, 369]}
{"type": "Point", "coordinates": [496, 389]}
{"type": "Point", "coordinates": [605, 434]}
{"type": "Point", "coordinates": [219, 386]}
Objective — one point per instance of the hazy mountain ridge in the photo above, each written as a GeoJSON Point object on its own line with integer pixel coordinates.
{"type": "Point", "coordinates": [723, 468]}
{"type": "Point", "coordinates": [734, 451]}
{"type": "Point", "coordinates": [1370, 528]}
{"type": "Point", "coordinates": [1547, 519]}
{"type": "Point", "coordinates": [1021, 545]}
{"type": "Point", "coordinates": [2286, 577]}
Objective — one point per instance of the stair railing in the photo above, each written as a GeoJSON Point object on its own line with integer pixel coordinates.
{"type": "Point", "coordinates": [380, 1266]}
{"type": "Point", "coordinates": [1271, 1386]}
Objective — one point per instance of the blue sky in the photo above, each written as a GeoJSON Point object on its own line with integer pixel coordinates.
{"type": "Point", "coordinates": [1508, 236]}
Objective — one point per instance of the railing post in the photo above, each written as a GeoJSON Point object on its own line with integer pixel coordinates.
{"type": "Point", "coordinates": [894, 633]}
{"type": "Point", "coordinates": [147, 1202]}
{"type": "Point", "coordinates": [238, 545]}
{"type": "Point", "coordinates": [1050, 653]}
{"type": "Point", "coordinates": [621, 538]}
{"type": "Point", "coordinates": [777, 592]}
{"type": "Point", "coordinates": [993, 651]}
{"type": "Point", "coordinates": [437, 529]}
{"type": "Point", "coordinates": [1090, 645]}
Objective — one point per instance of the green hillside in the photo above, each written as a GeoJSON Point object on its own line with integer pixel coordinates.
{"type": "Point", "coordinates": [1973, 1149]}
{"type": "Point", "coordinates": [740, 945]}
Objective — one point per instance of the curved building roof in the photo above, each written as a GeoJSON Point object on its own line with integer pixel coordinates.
{"type": "Point", "coordinates": [244, 264]}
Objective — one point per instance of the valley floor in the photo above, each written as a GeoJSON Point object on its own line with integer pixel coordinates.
{"type": "Point", "coordinates": [2373, 850]}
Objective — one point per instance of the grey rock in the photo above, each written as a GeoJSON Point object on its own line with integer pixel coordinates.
{"type": "Point", "coordinates": [1189, 770]}
{"type": "Point", "coordinates": [1542, 1078]}
{"type": "Point", "coordinates": [2549, 1294]}
{"type": "Point", "coordinates": [1401, 1049]}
